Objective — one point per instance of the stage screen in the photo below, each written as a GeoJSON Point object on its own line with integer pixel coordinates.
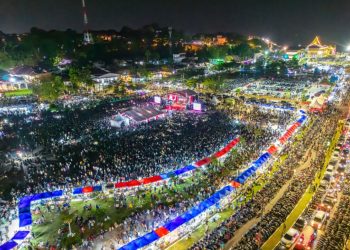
{"type": "Point", "coordinates": [197, 106]}
{"type": "Point", "coordinates": [157, 99]}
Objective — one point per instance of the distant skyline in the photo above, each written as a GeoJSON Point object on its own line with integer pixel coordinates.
{"type": "Point", "coordinates": [285, 21]}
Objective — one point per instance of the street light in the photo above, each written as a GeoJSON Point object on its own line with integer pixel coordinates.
{"type": "Point", "coordinates": [348, 48]}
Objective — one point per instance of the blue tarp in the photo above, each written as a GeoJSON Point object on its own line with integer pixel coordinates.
{"type": "Point", "coordinates": [24, 209]}
{"type": "Point", "coordinates": [240, 179]}
{"type": "Point", "coordinates": [25, 222]}
{"type": "Point", "coordinates": [302, 119]}
{"type": "Point", "coordinates": [130, 246]}
{"type": "Point", "coordinates": [78, 190]}
{"type": "Point", "coordinates": [8, 245]}
{"type": "Point", "coordinates": [20, 235]}
{"type": "Point", "coordinates": [24, 216]}
{"type": "Point", "coordinates": [167, 175]}
{"type": "Point", "coordinates": [175, 223]}
{"type": "Point", "coordinates": [184, 170]}
{"type": "Point", "coordinates": [150, 237]}
{"type": "Point", "coordinates": [97, 188]}
{"type": "Point", "coordinates": [141, 242]}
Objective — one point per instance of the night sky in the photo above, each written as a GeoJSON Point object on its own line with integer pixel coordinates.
{"type": "Point", "coordinates": [285, 21]}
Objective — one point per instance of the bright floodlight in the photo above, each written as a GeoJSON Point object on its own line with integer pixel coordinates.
{"type": "Point", "coordinates": [348, 48]}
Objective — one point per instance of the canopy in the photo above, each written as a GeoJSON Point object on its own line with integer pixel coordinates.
{"type": "Point", "coordinates": [130, 246]}
{"type": "Point", "coordinates": [175, 223]}
{"type": "Point", "coordinates": [151, 179]}
{"type": "Point", "coordinates": [272, 149]}
{"type": "Point", "coordinates": [202, 162]}
{"type": "Point", "coordinates": [161, 231]}
{"type": "Point", "coordinates": [8, 245]}
{"type": "Point", "coordinates": [167, 175]}
{"type": "Point", "coordinates": [184, 170]}
{"type": "Point", "coordinates": [20, 235]}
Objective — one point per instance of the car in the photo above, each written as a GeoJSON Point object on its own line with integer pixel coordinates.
{"type": "Point", "coordinates": [336, 155]}
{"type": "Point", "coordinates": [323, 185]}
{"type": "Point", "coordinates": [346, 151]}
{"type": "Point", "coordinates": [330, 169]}
{"type": "Point", "coordinates": [327, 204]}
{"type": "Point", "coordinates": [328, 177]}
{"type": "Point", "coordinates": [290, 237]}
{"type": "Point", "coordinates": [306, 242]}
{"type": "Point", "coordinates": [318, 219]}
{"type": "Point", "coordinates": [300, 224]}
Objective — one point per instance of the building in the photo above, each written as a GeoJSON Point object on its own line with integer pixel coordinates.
{"type": "Point", "coordinates": [103, 78]}
{"type": "Point", "coordinates": [106, 79]}
{"type": "Point", "coordinates": [220, 40]}
{"type": "Point", "coordinates": [26, 72]}
{"type": "Point", "coordinates": [178, 58]}
{"type": "Point", "coordinates": [317, 49]}
{"type": "Point", "coordinates": [136, 115]}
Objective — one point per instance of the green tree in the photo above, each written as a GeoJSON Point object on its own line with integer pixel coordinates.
{"type": "Point", "coordinates": [191, 83]}
{"type": "Point", "coordinates": [80, 78]}
{"type": "Point", "coordinates": [50, 89]}
{"type": "Point", "coordinates": [213, 85]}
{"type": "Point", "coordinates": [148, 55]}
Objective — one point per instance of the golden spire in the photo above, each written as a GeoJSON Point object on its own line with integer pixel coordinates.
{"type": "Point", "coordinates": [316, 42]}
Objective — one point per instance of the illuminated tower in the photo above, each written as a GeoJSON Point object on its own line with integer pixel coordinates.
{"type": "Point", "coordinates": [87, 35]}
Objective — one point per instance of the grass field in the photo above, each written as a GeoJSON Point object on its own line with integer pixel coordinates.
{"type": "Point", "coordinates": [20, 92]}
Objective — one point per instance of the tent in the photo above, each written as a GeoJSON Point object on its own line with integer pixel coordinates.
{"type": "Point", "coordinates": [129, 246]}
{"type": "Point", "coordinates": [272, 149]}
{"type": "Point", "coordinates": [167, 175]}
{"type": "Point", "coordinates": [20, 235]}
{"type": "Point", "coordinates": [184, 170]}
{"type": "Point", "coordinates": [151, 179]}
{"type": "Point", "coordinates": [161, 231]}
{"type": "Point", "coordinates": [175, 223]}
{"type": "Point", "coordinates": [202, 162]}
{"type": "Point", "coordinates": [8, 245]}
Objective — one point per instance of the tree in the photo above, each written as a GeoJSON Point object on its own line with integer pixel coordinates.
{"type": "Point", "coordinates": [50, 89]}
{"type": "Point", "coordinates": [216, 52]}
{"type": "Point", "coordinates": [191, 83]}
{"type": "Point", "coordinates": [213, 85]}
{"type": "Point", "coordinates": [243, 50]}
{"type": "Point", "coordinates": [147, 55]}
{"type": "Point", "coordinates": [80, 78]}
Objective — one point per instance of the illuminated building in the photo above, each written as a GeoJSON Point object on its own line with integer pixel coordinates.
{"type": "Point", "coordinates": [317, 49]}
{"type": "Point", "coordinates": [221, 40]}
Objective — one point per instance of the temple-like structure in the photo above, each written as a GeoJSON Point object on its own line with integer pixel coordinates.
{"type": "Point", "coordinates": [317, 49]}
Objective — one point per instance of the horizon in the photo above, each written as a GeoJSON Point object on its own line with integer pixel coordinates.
{"type": "Point", "coordinates": [292, 22]}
